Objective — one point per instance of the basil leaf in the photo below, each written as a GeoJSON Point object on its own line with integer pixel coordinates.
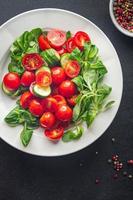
{"type": "Point", "coordinates": [79, 82]}
{"type": "Point", "coordinates": [13, 67]}
{"type": "Point", "coordinates": [26, 135]}
{"type": "Point", "coordinates": [76, 112]}
{"type": "Point", "coordinates": [74, 134]}
{"type": "Point", "coordinates": [68, 34]}
{"type": "Point", "coordinates": [107, 106]}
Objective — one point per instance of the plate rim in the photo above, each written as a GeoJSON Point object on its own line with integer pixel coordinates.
{"type": "Point", "coordinates": [121, 94]}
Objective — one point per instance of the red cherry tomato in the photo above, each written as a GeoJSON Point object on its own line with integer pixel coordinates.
{"type": "Point", "coordinates": [70, 45]}
{"type": "Point", "coordinates": [80, 38]}
{"type": "Point", "coordinates": [47, 120]}
{"type": "Point", "coordinates": [61, 50]}
{"type": "Point", "coordinates": [54, 134]}
{"type": "Point", "coordinates": [11, 81]}
{"type": "Point", "coordinates": [58, 75]}
{"type": "Point", "coordinates": [49, 104]}
{"type": "Point", "coordinates": [60, 99]}
{"type": "Point", "coordinates": [32, 61]}
{"type": "Point", "coordinates": [27, 78]}
{"type": "Point", "coordinates": [67, 88]}
{"type": "Point", "coordinates": [64, 113]}
{"type": "Point", "coordinates": [72, 100]}
{"type": "Point", "coordinates": [43, 42]}
{"type": "Point", "coordinates": [43, 78]}
{"type": "Point", "coordinates": [72, 68]}
{"type": "Point", "coordinates": [36, 108]}
{"type": "Point", "coordinates": [56, 38]}
{"type": "Point", "coordinates": [25, 99]}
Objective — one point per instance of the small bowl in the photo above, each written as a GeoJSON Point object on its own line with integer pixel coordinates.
{"type": "Point", "coordinates": [122, 30]}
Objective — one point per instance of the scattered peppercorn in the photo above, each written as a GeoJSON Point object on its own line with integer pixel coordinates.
{"type": "Point", "coordinates": [113, 140]}
{"type": "Point", "coordinates": [115, 176]}
{"type": "Point", "coordinates": [130, 176]}
{"type": "Point", "coordinates": [109, 161]}
{"type": "Point", "coordinates": [123, 12]}
{"type": "Point", "coordinates": [130, 162]}
{"type": "Point", "coordinates": [97, 181]}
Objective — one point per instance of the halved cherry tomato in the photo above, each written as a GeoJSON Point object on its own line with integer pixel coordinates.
{"type": "Point", "coordinates": [58, 75]}
{"type": "Point", "coordinates": [70, 45]}
{"type": "Point", "coordinates": [64, 113]}
{"type": "Point", "coordinates": [32, 61]}
{"type": "Point", "coordinates": [47, 120]}
{"type": "Point", "coordinates": [56, 38]}
{"type": "Point", "coordinates": [43, 78]}
{"type": "Point", "coordinates": [72, 68]}
{"type": "Point", "coordinates": [36, 108]}
{"type": "Point", "coordinates": [61, 50]}
{"type": "Point", "coordinates": [67, 88]}
{"type": "Point", "coordinates": [43, 42]}
{"type": "Point", "coordinates": [27, 78]}
{"type": "Point", "coordinates": [60, 99]}
{"type": "Point", "coordinates": [50, 104]}
{"type": "Point", "coordinates": [25, 99]}
{"type": "Point", "coordinates": [11, 81]}
{"type": "Point", "coordinates": [80, 38]}
{"type": "Point", "coordinates": [54, 134]}
{"type": "Point", "coordinates": [72, 100]}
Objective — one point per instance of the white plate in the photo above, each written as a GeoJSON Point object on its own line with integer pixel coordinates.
{"type": "Point", "coordinates": [65, 20]}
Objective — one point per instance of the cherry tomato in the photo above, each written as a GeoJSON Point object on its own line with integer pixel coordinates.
{"type": "Point", "coordinates": [64, 113]}
{"type": "Point", "coordinates": [43, 78]}
{"type": "Point", "coordinates": [54, 134]}
{"type": "Point", "coordinates": [72, 100]}
{"type": "Point", "coordinates": [80, 38]}
{"type": "Point", "coordinates": [70, 45]}
{"type": "Point", "coordinates": [72, 68]}
{"type": "Point", "coordinates": [25, 99]}
{"type": "Point", "coordinates": [61, 50]}
{"type": "Point", "coordinates": [11, 81]}
{"type": "Point", "coordinates": [49, 104]}
{"type": "Point", "coordinates": [32, 61]}
{"type": "Point", "coordinates": [43, 42]}
{"type": "Point", "coordinates": [60, 99]}
{"type": "Point", "coordinates": [47, 120]}
{"type": "Point", "coordinates": [58, 75]}
{"type": "Point", "coordinates": [27, 78]}
{"type": "Point", "coordinates": [67, 88]}
{"type": "Point", "coordinates": [56, 38]}
{"type": "Point", "coordinates": [36, 108]}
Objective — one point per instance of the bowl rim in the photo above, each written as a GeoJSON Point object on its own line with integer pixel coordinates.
{"type": "Point", "coordinates": [122, 30]}
{"type": "Point", "coordinates": [78, 15]}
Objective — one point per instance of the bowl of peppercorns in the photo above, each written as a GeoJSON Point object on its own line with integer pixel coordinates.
{"type": "Point", "coordinates": [121, 12]}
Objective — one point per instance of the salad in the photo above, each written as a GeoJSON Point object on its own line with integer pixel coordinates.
{"type": "Point", "coordinates": [56, 78]}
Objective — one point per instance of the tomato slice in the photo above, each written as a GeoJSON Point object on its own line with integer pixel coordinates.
{"type": "Point", "coordinates": [54, 134]}
{"type": "Point", "coordinates": [43, 78]}
{"type": "Point", "coordinates": [80, 38]}
{"type": "Point", "coordinates": [70, 45]}
{"type": "Point", "coordinates": [43, 42]}
{"type": "Point", "coordinates": [25, 99]}
{"type": "Point", "coordinates": [72, 68]}
{"type": "Point", "coordinates": [56, 38]}
{"type": "Point", "coordinates": [60, 99]}
{"type": "Point", "coordinates": [32, 61]}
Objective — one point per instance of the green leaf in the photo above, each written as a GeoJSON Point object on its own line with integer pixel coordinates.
{"type": "Point", "coordinates": [76, 55]}
{"type": "Point", "coordinates": [76, 112]}
{"type": "Point", "coordinates": [13, 67]}
{"type": "Point", "coordinates": [91, 114]}
{"type": "Point", "coordinates": [26, 135]}
{"type": "Point", "coordinates": [68, 34]}
{"type": "Point", "coordinates": [73, 134]}
{"type": "Point", "coordinates": [90, 76]}
{"type": "Point", "coordinates": [107, 106]}
{"type": "Point", "coordinates": [14, 117]}
{"type": "Point", "coordinates": [79, 82]}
